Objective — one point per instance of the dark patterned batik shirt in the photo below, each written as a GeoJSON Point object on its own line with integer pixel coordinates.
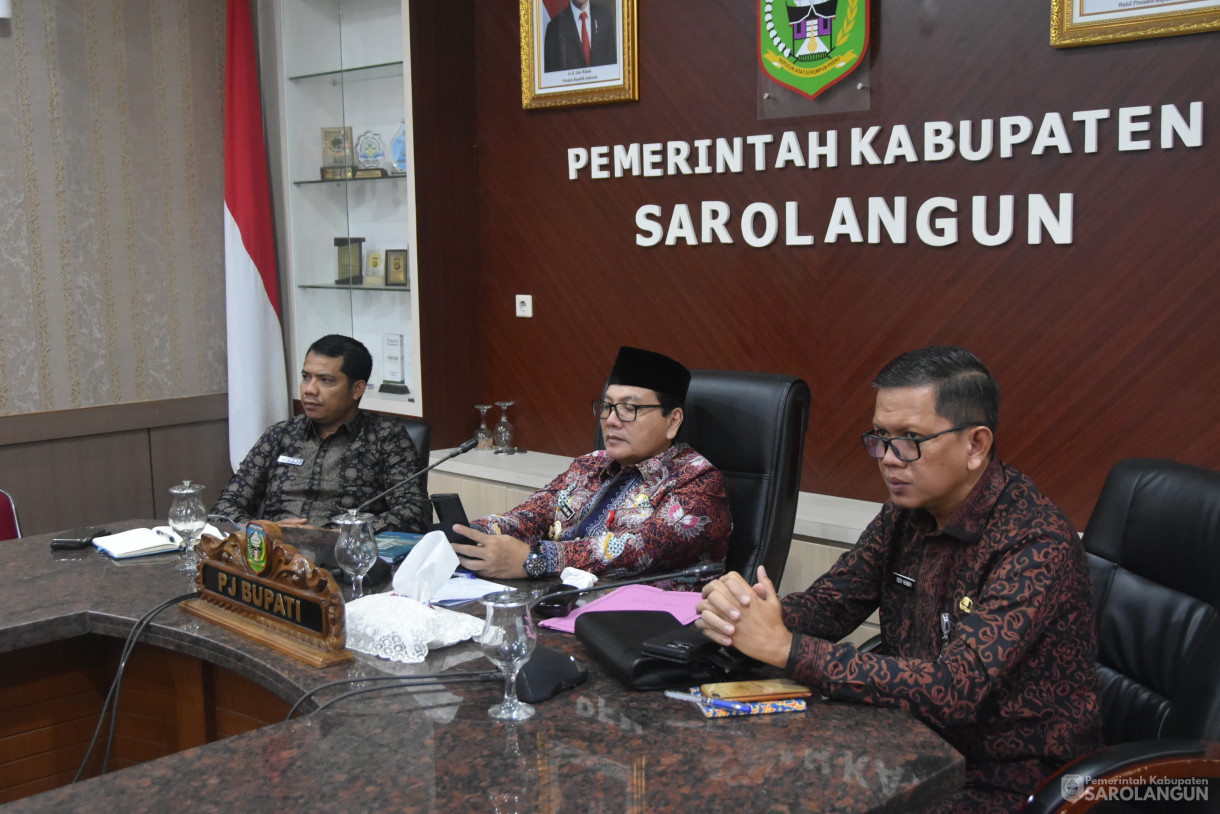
{"type": "Point", "coordinates": [987, 633]}
{"type": "Point", "coordinates": [664, 513]}
{"type": "Point", "coordinates": [292, 472]}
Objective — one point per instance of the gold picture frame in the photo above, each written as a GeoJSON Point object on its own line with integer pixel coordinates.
{"type": "Point", "coordinates": [1089, 22]}
{"type": "Point", "coordinates": [555, 71]}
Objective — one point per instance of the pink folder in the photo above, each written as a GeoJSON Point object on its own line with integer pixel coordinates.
{"type": "Point", "coordinates": [679, 604]}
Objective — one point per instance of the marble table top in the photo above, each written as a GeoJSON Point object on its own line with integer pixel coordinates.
{"type": "Point", "coordinates": [598, 747]}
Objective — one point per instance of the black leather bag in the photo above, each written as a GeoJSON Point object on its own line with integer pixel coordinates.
{"type": "Point", "coordinates": [651, 650]}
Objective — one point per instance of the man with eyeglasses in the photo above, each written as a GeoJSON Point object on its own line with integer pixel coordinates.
{"type": "Point", "coordinates": [642, 505]}
{"type": "Point", "coordinates": [987, 630]}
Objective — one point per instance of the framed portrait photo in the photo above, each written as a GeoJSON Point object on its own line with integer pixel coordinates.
{"type": "Point", "coordinates": [1088, 22]}
{"type": "Point", "coordinates": [578, 52]}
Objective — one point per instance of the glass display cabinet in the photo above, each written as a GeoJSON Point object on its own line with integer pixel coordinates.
{"type": "Point", "coordinates": [347, 232]}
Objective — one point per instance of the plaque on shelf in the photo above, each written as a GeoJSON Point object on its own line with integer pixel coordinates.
{"type": "Point", "coordinates": [351, 261]}
{"type": "Point", "coordinates": [370, 150]}
{"type": "Point", "coordinates": [396, 267]}
{"type": "Point", "coordinates": [372, 172]}
{"type": "Point", "coordinates": [337, 147]}
{"type": "Point", "coordinates": [394, 379]}
{"type": "Point", "coordinates": [337, 173]}
{"type": "Point", "coordinates": [374, 272]}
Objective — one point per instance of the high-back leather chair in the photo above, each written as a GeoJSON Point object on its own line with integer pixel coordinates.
{"type": "Point", "coordinates": [10, 528]}
{"type": "Point", "coordinates": [1153, 544]}
{"type": "Point", "coordinates": [751, 426]}
{"type": "Point", "coordinates": [421, 435]}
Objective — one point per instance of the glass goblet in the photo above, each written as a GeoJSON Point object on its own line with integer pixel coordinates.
{"type": "Point", "coordinates": [356, 548]}
{"type": "Point", "coordinates": [187, 517]}
{"type": "Point", "coordinates": [503, 430]}
{"type": "Point", "coordinates": [507, 640]}
{"type": "Point", "coordinates": [483, 434]}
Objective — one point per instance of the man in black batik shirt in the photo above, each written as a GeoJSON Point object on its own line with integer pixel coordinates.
{"type": "Point", "coordinates": [306, 470]}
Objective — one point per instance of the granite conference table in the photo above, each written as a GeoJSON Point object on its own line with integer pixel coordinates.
{"type": "Point", "coordinates": [598, 747]}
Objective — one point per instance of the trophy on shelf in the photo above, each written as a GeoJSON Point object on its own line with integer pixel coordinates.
{"type": "Point", "coordinates": [337, 155]}
{"type": "Point", "coordinates": [370, 154]}
{"type": "Point", "coordinates": [351, 261]}
{"type": "Point", "coordinates": [374, 272]}
{"type": "Point", "coordinates": [398, 149]}
{"type": "Point", "coordinates": [393, 379]}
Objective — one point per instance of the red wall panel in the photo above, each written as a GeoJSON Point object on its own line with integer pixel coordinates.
{"type": "Point", "coordinates": [1104, 348]}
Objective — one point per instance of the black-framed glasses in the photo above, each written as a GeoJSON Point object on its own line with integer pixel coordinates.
{"type": "Point", "coordinates": [625, 410]}
{"type": "Point", "coordinates": [905, 449]}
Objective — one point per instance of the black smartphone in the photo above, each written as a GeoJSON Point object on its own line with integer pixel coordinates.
{"type": "Point", "coordinates": [76, 538]}
{"type": "Point", "coordinates": [449, 510]}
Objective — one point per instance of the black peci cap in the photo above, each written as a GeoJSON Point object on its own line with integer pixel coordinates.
{"type": "Point", "coordinates": [655, 371]}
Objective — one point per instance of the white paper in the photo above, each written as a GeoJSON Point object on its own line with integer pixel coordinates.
{"type": "Point", "coordinates": [426, 569]}
{"type": "Point", "coordinates": [577, 578]}
{"type": "Point", "coordinates": [461, 588]}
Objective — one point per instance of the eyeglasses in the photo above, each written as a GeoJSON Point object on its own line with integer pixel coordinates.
{"type": "Point", "coordinates": [624, 410]}
{"type": "Point", "coordinates": [905, 449]}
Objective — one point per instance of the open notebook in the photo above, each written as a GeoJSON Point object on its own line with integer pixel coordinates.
{"type": "Point", "coordinates": [139, 542]}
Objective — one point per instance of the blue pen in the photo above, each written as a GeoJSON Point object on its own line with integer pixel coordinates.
{"type": "Point", "coordinates": [715, 703]}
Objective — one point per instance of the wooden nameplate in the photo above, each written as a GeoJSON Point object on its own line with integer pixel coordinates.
{"type": "Point", "coordinates": [258, 586]}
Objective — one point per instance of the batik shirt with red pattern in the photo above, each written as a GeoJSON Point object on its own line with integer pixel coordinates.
{"type": "Point", "coordinates": [1012, 684]}
{"type": "Point", "coordinates": [661, 514]}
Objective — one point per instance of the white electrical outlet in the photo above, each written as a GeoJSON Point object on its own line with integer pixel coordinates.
{"type": "Point", "coordinates": [525, 305]}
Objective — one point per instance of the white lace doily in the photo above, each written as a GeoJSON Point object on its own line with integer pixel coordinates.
{"type": "Point", "coordinates": [401, 629]}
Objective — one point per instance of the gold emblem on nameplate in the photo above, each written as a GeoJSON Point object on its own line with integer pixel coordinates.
{"type": "Point", "coordinates": [256, 585]}
{"type": "Point", "coordinates": [965, 604]}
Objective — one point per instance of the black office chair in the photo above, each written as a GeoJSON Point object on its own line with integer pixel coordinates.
{"type": "Point", "coordinates": [751, 426]}
{"type": "Point", "coordinates": [1153, 544]}
{"type": "Point", "coordinates": [421, 435]}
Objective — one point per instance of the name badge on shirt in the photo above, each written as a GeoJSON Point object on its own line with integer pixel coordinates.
{"type": "Point", "coordinates": [286, 459]}
{"type": "Point", "coordinates": [904, 580]}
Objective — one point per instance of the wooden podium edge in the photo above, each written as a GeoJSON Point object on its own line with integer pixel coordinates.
{"type": "Point", "coordinates": [313, 656]}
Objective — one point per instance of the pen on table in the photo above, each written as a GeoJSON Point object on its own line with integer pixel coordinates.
{"type": "Point", "coordinates": [715, 703]}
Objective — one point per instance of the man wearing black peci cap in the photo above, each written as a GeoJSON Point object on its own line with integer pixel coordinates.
{"type": "Point", "coordinates": [642, 505]}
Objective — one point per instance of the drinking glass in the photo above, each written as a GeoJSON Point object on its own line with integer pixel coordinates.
{"type": "Point", "coordinates": [504, 430]}
{"type": "Point", "coordinates": [483, 434]}
{"type": "Point", "coordinates": [507, 640]}
{"type": "Point", "coordinates": [356, 549]}
{"type": "Point", "coordinates": [187, 517]}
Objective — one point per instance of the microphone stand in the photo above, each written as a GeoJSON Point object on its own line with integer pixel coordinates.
{"type": "Point", "coordinates": [464, 448]}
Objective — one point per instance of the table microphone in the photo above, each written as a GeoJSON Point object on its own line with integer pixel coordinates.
{"type": "Point", "coordinates": [549, 670]}
{"type": "Point", "coordinates": [465, 447]}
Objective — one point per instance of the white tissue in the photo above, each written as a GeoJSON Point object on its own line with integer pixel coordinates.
{"type": "Point", "coordinates": [401, 629]}
{"type": "Point", "coordinates": [577, 578]}
{"type": "Point", "coordinates": [428, 567]}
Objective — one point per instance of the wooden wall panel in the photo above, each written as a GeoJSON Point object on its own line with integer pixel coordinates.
{"type": "Point", "coordinates": [446, 165]}
{"type": "Point", "coordinates": [51, 695]}
{"type": "Point", "coordinates": [1103, 348]}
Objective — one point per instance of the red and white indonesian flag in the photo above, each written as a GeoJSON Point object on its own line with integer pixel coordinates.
{"type": "Point", "coordinates": [258, 388]}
